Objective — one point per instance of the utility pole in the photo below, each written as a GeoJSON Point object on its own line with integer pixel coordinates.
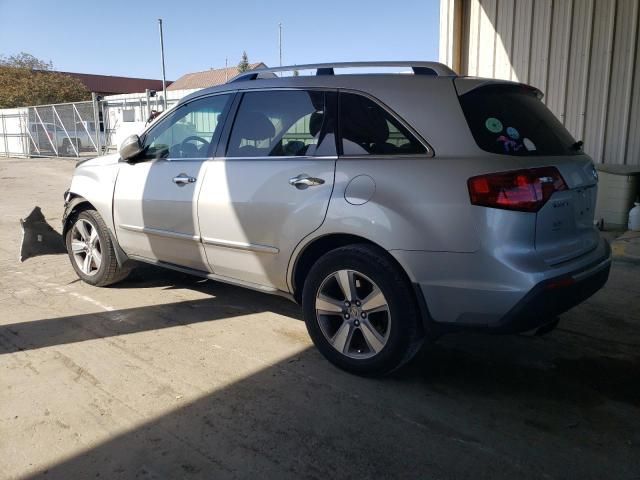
{"type": "Point", "coordinates": [226, 71]}
{"type": "Point", "coordinates": [164, 77]}
{"type": "Point", "coordinates": [280, 41]}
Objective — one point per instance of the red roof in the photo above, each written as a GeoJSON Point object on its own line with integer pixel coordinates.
{"type": "Point", "coordinates": [209, 78]}
{"type": "Point", "coordinates": [113, 85]}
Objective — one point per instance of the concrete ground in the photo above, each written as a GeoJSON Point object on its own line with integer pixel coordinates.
{"type": "Point", "coordinates": [169, 376]}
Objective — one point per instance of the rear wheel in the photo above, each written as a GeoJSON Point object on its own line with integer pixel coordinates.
{"type": "Point", "coordinates": [91, 250]}
{"type": "Point", "coordinates": [360, 311]}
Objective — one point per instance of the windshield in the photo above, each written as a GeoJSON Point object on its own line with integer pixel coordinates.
{"type": "Point", "coordinates": [511, 120]}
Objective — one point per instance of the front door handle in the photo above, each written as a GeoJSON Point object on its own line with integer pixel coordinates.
{"type": "Point", "coordinates": [183, 179]}
{"type": "Point", "coordinates": [303, 181]}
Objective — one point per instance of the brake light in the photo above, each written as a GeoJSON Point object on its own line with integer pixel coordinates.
{"type": "Point", "coordinates": [523, 190]}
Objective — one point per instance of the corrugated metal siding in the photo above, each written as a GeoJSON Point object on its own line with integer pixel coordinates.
{"type": "Point", "coordinates": [446, 33]}
{"type": "Point", "coordinates": [559, 41]}
{"type": "Point", "coordinates": [521, 40]}
{"type": "Point", "coordinates": [624, 41]}
{"type": "Point", "coordinates": [584, 54]}
{"type": "Point", "coordinates": [504, 44]}
{"type": "Point", "coordinates": [598, 77]}
{"type": "Point", "coordinates": [576, 89]}
{"type": "Point", "coordinates": [633, 138]}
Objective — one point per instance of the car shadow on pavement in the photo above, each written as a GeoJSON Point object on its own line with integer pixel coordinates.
{"type": "Point", "coordinates": [461, 416]}
{"type": "Point", "coordinates": [226, 301]}
{"type": "Point", "coordinates": [560, 406]}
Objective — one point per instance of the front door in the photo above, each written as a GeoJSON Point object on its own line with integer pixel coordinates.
{"type": "Point", "coordinates": [270, 185]}
{"type": "Point", "coordinates": [155, 199]}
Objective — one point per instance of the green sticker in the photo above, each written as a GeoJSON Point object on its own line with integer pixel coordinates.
{"type": "Point", "coordinates": [493, 125]}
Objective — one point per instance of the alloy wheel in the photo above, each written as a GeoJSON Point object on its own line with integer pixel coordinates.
{"type": "Point", "coordinates": [86, 247]}
{"type": "Point", "coordinates": [353, 314]}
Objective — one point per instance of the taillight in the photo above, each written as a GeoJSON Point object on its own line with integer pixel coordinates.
{"type": "Point", "coordinates": [523, 190]}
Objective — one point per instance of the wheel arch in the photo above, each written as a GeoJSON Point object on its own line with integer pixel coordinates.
{"type": "Point", "coordinates": [77, 204]}
{"type": "Point", "coordinates": [317, 247]}
{"type": "Point", "coordinates": [74, 205]}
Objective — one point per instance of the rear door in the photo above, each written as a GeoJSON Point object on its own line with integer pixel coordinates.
{"type": "Point", "coordinates": [270, 185]}
{"type": "Point", "coordinates": [510, 120]}
{"type": "Point", "coordinates": [155, 199]}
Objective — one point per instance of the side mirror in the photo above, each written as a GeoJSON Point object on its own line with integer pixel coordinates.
{"type": "Point", "coordinates": [130, 148]}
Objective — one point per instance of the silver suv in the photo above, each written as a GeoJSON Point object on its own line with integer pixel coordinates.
{"type": "Point", "coordinates": [393, 207]}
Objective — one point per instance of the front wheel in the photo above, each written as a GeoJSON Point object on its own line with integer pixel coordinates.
{"type": "Point", "coordinates": [360, 310]}
{"type": "Point", "coordinates": [91, 250]}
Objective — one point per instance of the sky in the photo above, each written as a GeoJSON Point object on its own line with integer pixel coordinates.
{"type": "Point", "coordinates": [117, 37]}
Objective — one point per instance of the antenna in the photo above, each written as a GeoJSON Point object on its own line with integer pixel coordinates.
{"type": "Point", "coordinates": [164, 77]}
{"type": "Point", "coordinates": [280, 41]}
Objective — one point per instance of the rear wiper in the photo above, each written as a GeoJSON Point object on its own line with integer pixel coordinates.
{"type": "Point", "coordinates": [577, 146]}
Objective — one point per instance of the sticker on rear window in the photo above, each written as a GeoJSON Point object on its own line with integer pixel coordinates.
{"type": "Point", "coordinates": [508, 144]}
{"type": "Point", "coordinates": [493, 125]}
{"type": "Point", "coordinates": [513, 133]}
{"type": "Point", "coordinates": [528, 144]}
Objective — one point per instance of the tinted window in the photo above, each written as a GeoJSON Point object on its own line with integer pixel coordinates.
{"type": "Point", "coordinates": [189, 130]}
{"type": "Point", "coordinates": [511, 120]}
{"type": "Point", "coordinates": [367, 129]}
{"type": "Point", "coordinates": [278, 123]}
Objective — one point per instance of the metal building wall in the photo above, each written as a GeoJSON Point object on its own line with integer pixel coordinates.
{"type": "Point", "coordinates": [583, 54]}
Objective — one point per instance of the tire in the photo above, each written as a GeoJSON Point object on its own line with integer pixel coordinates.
{"type": "Point", "coordinates": [383, 338]}
{"type": "Point", "coordinates": [89, 236]}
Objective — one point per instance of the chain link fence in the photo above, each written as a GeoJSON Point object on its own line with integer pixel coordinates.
{"type": "Point", "coordinates": [61, 130]}
{"type": "Point", "coordinates": [79, 129]}
{"type": "Point", "coordinates": [65, 130]}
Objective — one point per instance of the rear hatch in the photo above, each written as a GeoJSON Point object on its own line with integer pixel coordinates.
{"type": "Point", "coordinates": [542, 160]}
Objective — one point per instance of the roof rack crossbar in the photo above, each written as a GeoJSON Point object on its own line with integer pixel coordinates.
{"type": "Point", "coordinates": [419, 68]}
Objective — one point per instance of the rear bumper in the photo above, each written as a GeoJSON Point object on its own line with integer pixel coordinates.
{"type": "Point", "coordinates": [483, 293]}
{"type": "Point", "coordinates": [555, 296]}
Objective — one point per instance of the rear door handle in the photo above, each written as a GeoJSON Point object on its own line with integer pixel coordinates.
{"type": "Point", "coordinates": [183, 179]}
{"type": "Point", "coordinates": [303, 181]}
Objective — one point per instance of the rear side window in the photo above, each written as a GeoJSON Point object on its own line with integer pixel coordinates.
{"type": "Point", "coordinates": [368, 129]}
{"type": "Point", "coordinates": [279, 124]}
{"type": "Point", "coordinates": [511, 120]}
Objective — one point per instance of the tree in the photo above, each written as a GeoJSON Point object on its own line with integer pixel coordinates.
{"type": "Point", "coordinates": [243, 66]}
{"type": "Point", "coordinates": [26, 80]}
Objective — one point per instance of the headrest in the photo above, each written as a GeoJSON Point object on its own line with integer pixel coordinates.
{"type": "Point", "coordinates": [254, 126]}
{"type": "Point", "coordinates": [315, 123]}
{"type": "Point", "coordinates": [363, 124]}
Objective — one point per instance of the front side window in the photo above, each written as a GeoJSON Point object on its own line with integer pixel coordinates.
{"type": "Point", "coordinates": [189, 131]}
{"type": "Point", "coordinates": [368, 129]}
{"type": "Point", "coordinates": [278, 124]}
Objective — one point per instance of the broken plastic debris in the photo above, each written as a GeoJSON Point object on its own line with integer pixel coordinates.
{"type": "Point", "coordinates": [38, 237]}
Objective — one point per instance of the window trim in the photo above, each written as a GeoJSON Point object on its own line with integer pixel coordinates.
{"type": "Point", "coordinates": [429, 150]}
{"type": "Point", "coordinates": [215, 140]}
{"type": "Point", "coordinates": [236, 109]}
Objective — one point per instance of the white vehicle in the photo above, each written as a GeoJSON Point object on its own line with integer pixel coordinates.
{"type": "Point", "coordinates": [52, 137]}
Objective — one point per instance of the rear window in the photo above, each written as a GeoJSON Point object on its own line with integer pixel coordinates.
{"type": "Point", "coordinates": [511, 120]}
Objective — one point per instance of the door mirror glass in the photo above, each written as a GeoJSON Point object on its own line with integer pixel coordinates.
{"type": "Point", "coordinates": [130, 148]}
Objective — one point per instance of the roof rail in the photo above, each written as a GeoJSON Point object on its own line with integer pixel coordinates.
{"type": "Point", "coordinates": [419, 68]}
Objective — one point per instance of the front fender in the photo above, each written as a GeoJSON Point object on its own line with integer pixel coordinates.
{"type": "Point", "coordinates": [94, 181]}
